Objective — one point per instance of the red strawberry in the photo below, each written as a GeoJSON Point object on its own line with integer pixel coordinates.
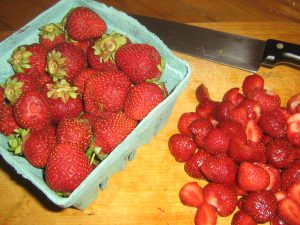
{"type": "Point", "coordinates": [293, 104]}
{"type": "Point", "coordinates": [254, 132]}
{"type": "Point", "coordinates": [252, 177]}
{"type": "Point", "coordinates": [75, 131]}
{"type": "Point", "coordinates": [200, 128]}
{"type": "Point", "coordinates": [274, 177]}
{"type": "Point", "coordinates": [202, 94]}
{"type": "Point", "coordinates": [31, 110]}
{"type": "Point", "coordinates": [67, 167]}
{"type": "Point", "coordinates": [84, 45]}
{"type": "Point", "coordinates": [7, 120]}
{"type": "Point", "coordinates": [260, 205]}
{"type": "Point", "coordinates": [143, 98]}
{"type": "Point", "coordinates": [216, 142]}
{"type": "Point", "coordinates": [293, 130]}
{"type": "Point", "coordinates": [233, 129]}
{"type": "Point", "coordinates": [205, 215]}
{"type": "Point", "coordinates": [276, 220]}
{"type": "Point", "coordinates": [110, 131]}
{"type": "Point", "coordinates": [184, 122]}
{"type": "Point", "coordinates": [273, 123]}
{"type": "Point", "coordinates": [223, 198]}
{"type": "Point", "coordinates": [191, 194]}
{"type": "Point", "coordinates": [29, 59]}
{"type": "Point", "coordinates": [280, 153]}
{"type": "Point", "coordinates": [51, 34]}
{"type": "Point", "coordinates": [233, 96]}
{"type": "Point", "coordinates": [204, 109]}
{"type": "Point", "coordinates": [288, 210]}
{"type": "Point", "coordinates": [193, 165]}
{"type": "Point", "coordinates": [181, 147]}
{"type": "Point", "coordinates": [107, 91]}
{"type": "Point", "coordinates": [293, 192]}
{"type": "Point", "coordinates": [65, 61]}
{"type": "Point", "coordinates": [43, 79]}
{"type": "Point", "coordinates": [84, 24]}
{"type": "Point", "coordinates": [222, 111]}
{"type": "Point", "coordinates": [140, 62]}
{"type": "Point", "coordinates": [290, 175]}
{"type": "Point", "coordinates": [252, 81]}
{"type": "Point", "coordinates": [220, 169]}
{"type": "Point", "coordinates": [82, 77]}
{"type": "Point", "coordinates": [242, 218]}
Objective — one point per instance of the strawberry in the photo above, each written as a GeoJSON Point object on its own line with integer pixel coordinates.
{"type": "Point", "coordinates": [29, 59]}
{"type": "Point", "coordinates": [293, 130]}
{"type": "Point", "coordinates": [242, 218]}
{"type": "Point", "coordinates": [219, 169]}
{"type": "Point", "coordinates": [252, 177]}
{"type": "Point", "coordinates": [82, 77]}
{"type": "Point", "coordinates": [216, 142]}
{"type": "Point", "coordinates": [83, 24]}
{"type": "Point", "coordinates": [200, 128]}
{"type": "Point", "coordinates": [31, 111]}
{"type": "Point", "coordinates": [288, 210]}
{"type": "Point", "coordinates": [273, 123]}
{"type": "Point", "coordinates": [67, 167]}
{"type": "Point", "coordinates": [260, 205]}
{"type": "Point", "coordinates": [233, 96]}
{"type": "Point", "coordinates": [293, 104]}
{"type": "Point", "coordinates": [75, 131]}
{"type": "Point", "coordinates": [143, 98]}
{"type": "Point", "coordinates": [290, 175]}
{"type": "Point", "coordinates": [7, 120]}
{"type": "Point", "coordinates": [184, 122]}
{"type": "Point", "coordinates": [2, 98]}
{"type": "Point", "coordinates": [65, 61]}
{"type": "Point", "coordinates": [280, 153]}
{"type": "Point", "coordinates": [181, 147]}
{"type": "Point", "coordinates": [254, 132]}
{"type": "Point", "coordinates": [252, 81]}
{"type": "Point", "coordinates": [274, 177]}
{"type": "Point", "coordinates": [276, 220]}
{"type": "Point", "coordinates": [191, 194]}
{"type": "Point", "coordinates": [293, 192]}
{"type": "Point", "coordinates": [280, 195]}
{"type": "Point", "coordinates": [84, 45]}
{"type": "Point", "coordinates": [223, 198]}
{"type": "Point", "coordinates": [222, 111]}
{"type": "Point", "coordinates": [140, 62]}
{"type": "Point", "coordinates": [43, 79]}
{"type": "Point", "coordinates": [107, 91]}
{"type": "Point", "coordinates": [110, 131]}
{"type": "Point", "coordinates": [202, 94]}
{"type": "Point", "coordinates": [205, 215]}
{"type": "Point", "coordinates": [51, 34]}
{"type": "Point", "coordinates": [193, 166]}
{"type": "Point", "coordinates": [204, 109]}
{"type": "Point", "coordinates": [233, 129]}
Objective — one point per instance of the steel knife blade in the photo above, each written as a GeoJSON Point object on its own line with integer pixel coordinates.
{"type": "Point", "coordinates": [224, 48]}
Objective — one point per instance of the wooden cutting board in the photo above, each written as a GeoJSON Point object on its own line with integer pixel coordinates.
{"type": "Point", "coordinates": [146, 192]}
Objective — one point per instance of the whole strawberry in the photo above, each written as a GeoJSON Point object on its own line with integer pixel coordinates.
{"type": "Point", "coordinates": [7, 120]}
{"type": "Point", "coordinates": [106, 92]}
{"type": "Point", "coordinates": [82, 77]}
{"type": "Point", "coordinates": [75, 131]}
{"type": "Point", "coordinates": [65, 61]}
{"type": "Point", "coordinates": [29, 59]}
{"type": "Point", "coordinates": [112, 130]}
{"type": "Point", "coordinates": [139, 62]}
{"type": "Point", "coordinates": [142, 98]}
{"type": "Point", "coordinates": [67, 167]}
{"type": "Point", "coordinates": [51, 34]}
{"type": "Point", "coordinates": [84, 24]}
{"type": "Point", "coordinates": [31, 111]}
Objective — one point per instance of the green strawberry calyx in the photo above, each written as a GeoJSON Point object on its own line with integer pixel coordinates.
{"type": "Point", "coordinates": [106, 46]}
{"type": "Point", "coordinates": [162, 65]}
{"type": "Point", "coordinates": [160, 84]}
{"type": "Point", "coordinates": [51, 31]}
{"type": "Point", "coordinates": [16, 140]}
{"type": "Point", "coordinates": [20, 59]}
{"type": "Point", "coordinates": [13, 90]}
{"type": "Point", "coordinates": [94, 154]}
{"type": "Point", "coordinates": [62, 89]}
{"type": "Point", "coordinates": [56, 65]}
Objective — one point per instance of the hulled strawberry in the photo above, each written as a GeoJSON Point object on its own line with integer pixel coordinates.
{"type": "Point", "coordinates": [106, 92]}
{"type": "Point", "coordinates": [65, 61]}
{"type": "Point", "coordinates": [140, 62]}
{"type": "Point", "coordinates": [67, 167]}
{"type": "Point", "coordinates": [193, 166]}
{"type": "Point", "coordinates": [191, 194]}
{"type": "Point", "coordinates": [110, 131]}
{"type": "Point", "coordinates": [7, 121]}
{"type": "Point", "coordinates": [143, 98]}
{"type": "Point", "coordinates": [29, 59]}
{"type": "Point", "coordinates": [51, 34]}
{"type": "Point", "coordinates": [83, 24]}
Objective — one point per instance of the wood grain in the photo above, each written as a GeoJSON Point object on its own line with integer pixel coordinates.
{"type": "Point", "coordinates": [146, 192]}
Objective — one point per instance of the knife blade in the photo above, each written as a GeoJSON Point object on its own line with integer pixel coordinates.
{"type": "Point", "coordinates": [221, 47]}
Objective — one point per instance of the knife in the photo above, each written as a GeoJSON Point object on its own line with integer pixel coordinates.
{"type": "Point", "coordinates": [224, 48]}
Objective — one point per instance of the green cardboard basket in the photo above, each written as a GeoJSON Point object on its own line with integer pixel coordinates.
{"type": "Point", "coordinates": [176, 75]}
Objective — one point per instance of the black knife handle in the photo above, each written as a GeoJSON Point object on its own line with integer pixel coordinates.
{"type": "Point", "coordinates": [280, 52]}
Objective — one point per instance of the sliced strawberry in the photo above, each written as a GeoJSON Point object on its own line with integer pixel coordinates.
{"type": "Point", "coordinates": [293, 132]}
{"type": "Point", "coordinates": [205, 215]}
{"type": "Point", "coordinates": [233, 129]}
{"type": "Point", "coordinates": [293, 104]}
{"type": "Point", "coordinates": [253, 132]}
{"type": "Point", "coordinates": [240, 114]}
{"type": "Point", "coordinates": [293, 192]}
{"type": "Point", "coordinates": [200, 128]}
{"type": "Point", "coordinates": [193, 165]}
{"type": "Point", "coordinates": [185, 120]}
{"type": "Point", "coordinates": [252, 177]}
{"type": "Point", "coordinates": [223, 198]}
{"type": "Point", "coordinates": [202, 94]}
{"type": "Point", "coordinates": [253, 109]}
{"type": "Point", "coordinates": [288, 210]}
{"type": "Point", "coordinates": [252, 81]}
{"type": "Point", "coordinates": [290, 175]}
{"type": "Point", "coordinates": [216, 142]}
{"type": "Point", "coordinates": [276, 220]}
{"type": "Point", "coordinates": [205, 108]}
{"type": "Point", "coordinates": [274, 177]}
{"type": "Point", "coordinates": [181, 147]}
{"type": "Point", "coordinates": [233, 96]}
{"type": "Point", "coordinates": [242, 218]}
{"type": "Point", "coordinates": [273, 123]}
{"type": "Point", "coordinates": [222, 110]}
{"type": "Point", "coordinates": [191, 194]}
{"type": "Point", "coordinates": [280, 195]}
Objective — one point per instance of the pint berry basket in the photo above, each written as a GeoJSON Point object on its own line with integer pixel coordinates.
{"type": "Point", "coordinates": [176, 75]}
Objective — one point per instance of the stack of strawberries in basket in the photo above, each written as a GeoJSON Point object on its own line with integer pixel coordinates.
{"type": "Point", "coordinates": [75, 95]}
{"type": "Point", "coordinates": [247, 147]}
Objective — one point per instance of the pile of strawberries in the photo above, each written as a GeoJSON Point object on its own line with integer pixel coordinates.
{"type": "Point", "coordinates": [247, 147]}
{"type": "Point", "coordinates": [75, 95]}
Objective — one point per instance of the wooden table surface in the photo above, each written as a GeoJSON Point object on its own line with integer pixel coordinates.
{"type": "Point", "coordinates": [146, 191]}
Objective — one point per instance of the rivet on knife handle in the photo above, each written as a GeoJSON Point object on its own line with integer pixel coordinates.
{"type": "Point", "coordinates": [279, 52]}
